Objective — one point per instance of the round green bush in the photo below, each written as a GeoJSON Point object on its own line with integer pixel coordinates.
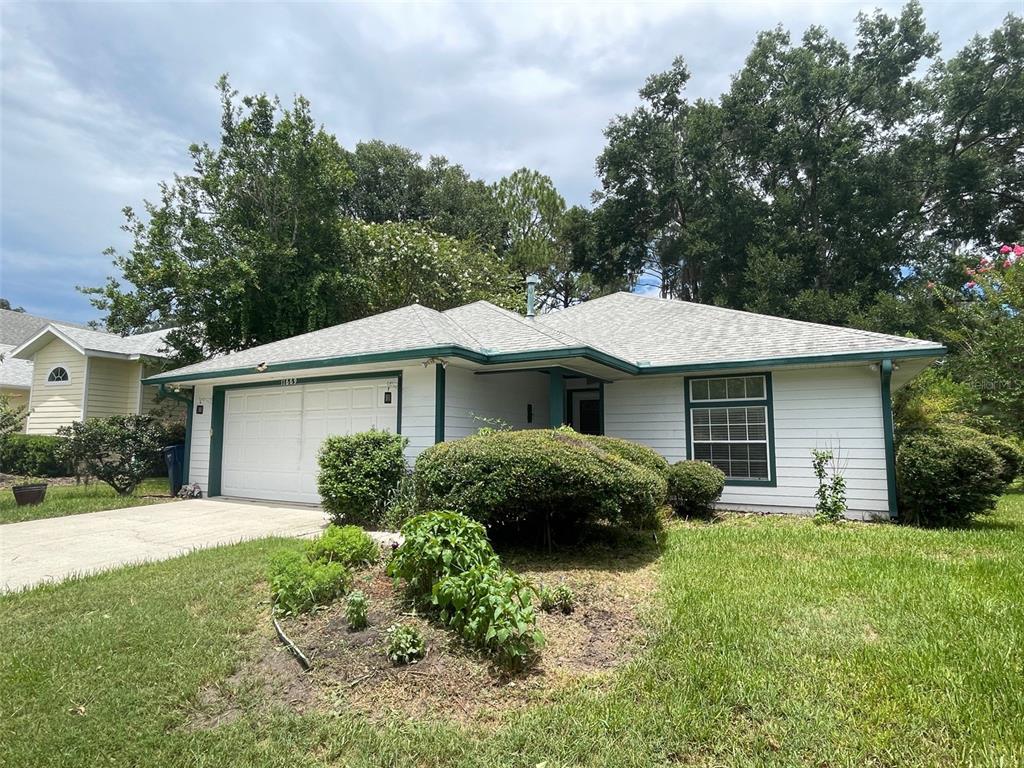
{"type": "Point", "coordinates": [439, 544]}
{"type": "Point", "coordinates": [349, 545]}
{"type": "Point", "coordinates": [34, 455]}
{"type": "Point", "coordinates": [947, 476]}
{"type": "Point", "coordinates": [630, 451]}
{"type": "Point", "coordinates": [694, 486]}
{"type": "Point", "coordinates": [1010, 454]}
{"type": "Point", "coordinates": [358, 474]}
{"type": "Point", "coordinates": [299, 584]}
{"type": "Point", "coordinates": [536, 480]}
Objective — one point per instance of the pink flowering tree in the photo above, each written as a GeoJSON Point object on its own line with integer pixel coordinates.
{"type": "Point", "coordinates": [993, 358]}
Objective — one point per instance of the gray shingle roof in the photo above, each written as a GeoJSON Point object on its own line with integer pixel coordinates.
{"type": "Point", "coordinates": [636, 330]}
{"type": "Point", "coordinates": [14, 373]}
{"type": "Point", "coordinates": [150, 344]}
{"type": "Point", "coordinates": [499, 330]}
{"type": "Point", "coordinates": [647, 329]}
{"type": "Point", "coordinates": [16, 327]}
{"type": "Point", "coordinates": [412, 327]}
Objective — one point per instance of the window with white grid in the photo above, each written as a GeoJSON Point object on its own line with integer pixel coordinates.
{"type": "Point", "coordinates": [733, 437]}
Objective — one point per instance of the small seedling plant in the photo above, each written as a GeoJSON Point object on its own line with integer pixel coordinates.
{"type": "Point", "coordinates": [405, 644]}
{"type": "Point", "coordinates": [562, 598]}
{"type": "Point", "coordinates": [357, 609]}
{"type": "Point", "coordinates": [831, 491]}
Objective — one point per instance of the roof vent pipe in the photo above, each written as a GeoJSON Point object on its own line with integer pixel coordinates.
{"type": "Point", "coordinates": [531, 294]}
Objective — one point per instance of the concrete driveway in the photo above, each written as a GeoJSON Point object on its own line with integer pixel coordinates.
{"type": "Point", "coordinates": [53, 549]}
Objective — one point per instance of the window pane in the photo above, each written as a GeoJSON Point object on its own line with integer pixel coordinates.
{"type": "Point", "coordinates": [701, 432]}
{"type": "Point", "coordinates": [717, 389]}
{"type": "Point", "coordinates": [699, 390]}
{"type": "Point", "coordinates": [755, 387]}
{"type": "Point", "coordinates": [736, 389]}
{"type": "Point", "coordinates": [733, 439]}
{"type": "Point", "coordinates": [701, 416]}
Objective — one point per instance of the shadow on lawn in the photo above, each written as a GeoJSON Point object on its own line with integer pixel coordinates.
{"type": "Point", "coordinates": [598, 548]}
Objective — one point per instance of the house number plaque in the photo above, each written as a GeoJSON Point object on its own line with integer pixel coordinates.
{"type": "Point", "coordinates": [288, 382]}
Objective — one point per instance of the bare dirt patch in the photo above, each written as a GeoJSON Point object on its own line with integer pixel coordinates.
{"type": "Point", "coordinates": [351, 670]}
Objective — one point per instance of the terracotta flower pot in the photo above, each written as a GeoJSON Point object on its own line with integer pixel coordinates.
{"type": "Point", "coordinates": [29, 494]}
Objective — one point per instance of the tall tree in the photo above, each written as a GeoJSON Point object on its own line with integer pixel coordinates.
{"type": "Point", "coordinates": [258, 242]}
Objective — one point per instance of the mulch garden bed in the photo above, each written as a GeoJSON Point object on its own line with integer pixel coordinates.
{"type": "Point", "coordinates": [350, 670]}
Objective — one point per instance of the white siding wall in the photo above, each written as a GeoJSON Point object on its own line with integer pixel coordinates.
{"type": "Point", "coordinates": [649, 411]}
{"type": "Point", "coordinates": [418, 409]}
{"type": "Point", "coordinates": [837, 407]}
{"type": "Point", "coordinates": [54, 405]}
{"type": "Point", "coordinates": [495, 396]}
{"type": "Point", "coordinates": [199, 457]}
{"type": "Point", "coordinates": [113, 388]}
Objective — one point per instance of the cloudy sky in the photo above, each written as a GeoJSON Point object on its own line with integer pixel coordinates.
{"type": "Point", "coordinates": [100, 101]}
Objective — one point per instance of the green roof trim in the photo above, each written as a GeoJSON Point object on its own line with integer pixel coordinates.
{"type": "Point", "coordinates": [587, 353]}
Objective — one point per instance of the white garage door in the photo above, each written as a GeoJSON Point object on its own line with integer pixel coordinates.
{"type": "Point", "coordinates": [272, 435]}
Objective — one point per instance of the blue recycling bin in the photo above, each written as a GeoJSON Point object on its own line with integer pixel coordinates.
{"type": "Point", "coordinates": [174, 455]}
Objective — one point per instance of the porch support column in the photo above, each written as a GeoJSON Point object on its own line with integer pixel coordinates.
{"type": "Point", "coordinates": [556, 398]}
{"type": "Point", "coordinates": [439, 382]}
{"type": "Point", "coordinates": [886, 369]}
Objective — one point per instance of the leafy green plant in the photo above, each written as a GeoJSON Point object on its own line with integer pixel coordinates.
{"type": "Point", "coordinates": [565, 599]}
{"type": "Point", "coordinates": [546, 598]}
{"type": "Point", "coordinates": [831, 490]}
{"type": "Point", "coordinates": [1010, 453]}
{"type": "Point", "coordinates": [561, 598]}
{"type": "Point", "coordinates": [947, 476]}
{"type": "Point", "coordinates": [34, 455]}
{"type": "Point", "coordinates": [438, 544]}
{"type": "Point", "coordinates": [118, 450]}
{"type": "Point", "coordinates": [405, 644]}
{"type": "Point", "coordinates": [349, 545]}
{"type": "Point", "coordinates": [538, 480]}
{"type": "Point", "coordinates": [357, 610]}
{"type": "Point", "coordinates": [12, 417]}
{"type": "Point", "coordinates": [299, 584]}
{"type": "Point", "coordinates": [491, 609]}
{"type": "Point", "coordinates": [358, 473]}
{"type": "Point", "coordinates": [400, 504]}
{"type": "Point", "coordinates": [694, 486]}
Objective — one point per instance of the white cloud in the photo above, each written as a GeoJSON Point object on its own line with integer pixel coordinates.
{"type": "Point", "coordinates": [100, 101]}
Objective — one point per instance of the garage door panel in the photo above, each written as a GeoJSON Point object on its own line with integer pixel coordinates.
{"type": "Point", "coordinates": [272, 436]}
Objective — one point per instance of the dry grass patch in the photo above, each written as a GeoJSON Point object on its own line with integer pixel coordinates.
{"type": "Point", "coordinates": [352, 672]}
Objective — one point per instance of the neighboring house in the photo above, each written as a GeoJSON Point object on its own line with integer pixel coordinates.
{"type": "Point", "coordinates": [752, 394]}
{"type": "Point", "coordinates": [16, 374]}
{"type": "Point", "coordinates": [78, 373]}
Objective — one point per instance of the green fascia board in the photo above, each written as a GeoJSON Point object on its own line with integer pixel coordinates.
{"type": "Point", "coordinates": [190, 407]}
{"type": "Point", "coordinates": [439, 395]}
{"type": "Point", "coordinates": [586, 353]}
{"type": "Point", "coordinates": [885, 375]}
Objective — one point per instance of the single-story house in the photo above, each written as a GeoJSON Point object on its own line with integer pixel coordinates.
{"type": "Point", "coordinates": [76, 373]}
{"type": "Point", "coordinates": [752, 394]}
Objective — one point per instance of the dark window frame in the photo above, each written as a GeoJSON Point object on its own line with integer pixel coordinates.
{"type": "Point", "coordinates": [767, 402]}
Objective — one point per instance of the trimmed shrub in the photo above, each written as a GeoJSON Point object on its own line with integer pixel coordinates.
{"type": "Point", "coordinates": [349, 545]}
{"type": "Point", "coordinates": [630, 451]}
{"type": "Point", "coordinates": [694, 486]}
{"type": "Point", "coordinates": [492, 610]}
{"type": "Point", "coordinates": [35, 455]}
{"type": "Point", "coordinates": [358, 473]}
{"type": "Point", "coordinates": [439, 544]}
{"type": "Point", "coordinates": [947, 476]}
{"type": "Point", "coordinates": [118, 450]}
{"type": "Point", "coordinates": [511, 480]}
{"type": "Point", "coordinates": [1010, 454]}
{"type": "Point", "coordinates": [299, 584]}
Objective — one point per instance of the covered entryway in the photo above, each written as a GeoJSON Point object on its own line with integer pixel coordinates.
{"type": "Point", "coordinates": [272, 434]}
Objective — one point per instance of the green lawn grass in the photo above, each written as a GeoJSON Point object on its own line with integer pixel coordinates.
{"type": "Point", "coordinates": [780, 644]}
{"type": "Point", "coordinates": [75, 499]}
